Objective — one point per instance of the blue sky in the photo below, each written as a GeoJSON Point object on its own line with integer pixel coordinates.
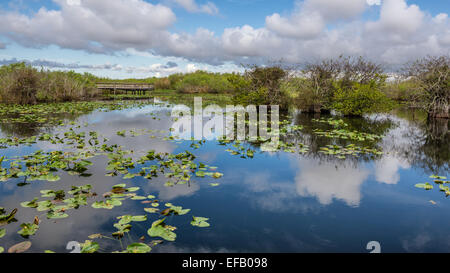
{"type": "Point", "coordinates": [137, 38]}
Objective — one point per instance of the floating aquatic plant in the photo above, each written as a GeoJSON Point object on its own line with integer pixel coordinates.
{"type": "Point", "coordinates": [200, 221]}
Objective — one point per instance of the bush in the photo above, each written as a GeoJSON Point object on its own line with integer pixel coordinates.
{"type": "Point", "coordinates": [174, 79]}
{"type": "Point", "coordinates": [326, 77]}
{"type": "Point", "coordinates": [202, 82]}
{"type": "Point", "coordinates": [65, 86]}
{"type": "Point", "coordinates": [163, 83]}
{"type": "Point", "coordinates": [23, 84]}
{"type": "Point", "coordinates": [361, 99]}
{"type": "Point", "coordinates": [401, 90]}
{"type": "Point", "coordinates": [431, 76]}
{"type": "Point", "coordinates": [19, 84]}
{"type": "Point", "coordinates": [260, 86]}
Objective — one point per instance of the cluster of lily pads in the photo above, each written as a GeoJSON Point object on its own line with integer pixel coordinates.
{"type": "Point", "coordinates": [339, 131]}
{"type": "Point", "coordinates": [351, 149]}
{"type": "Point", "coordinates": [43, 165]}
{"type": "Point", "coordinates": [57, 207]}
{"type": "Point", "coordinates": [60, 202]}
{"type": "Point", "coordinates": [285, 144]}
{"type": "Point", "coordinates": [177, 168]}
{"type": "Point", "coordinates": [439, 180]}
{"type": "Point", "coordinates": [158, 229]}
{"type": "Point", "coordinates": [54, 114]}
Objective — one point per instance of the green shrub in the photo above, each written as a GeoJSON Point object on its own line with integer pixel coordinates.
{"type": "Point", "coordinates": [162, 83]}
{"type": "Point", "coordinates": [23, 84]}
{"type": "Point", "coordinates": [401, 90]}
{"type": "Point", "coordinates": [202, 82]}
{"type": "Point", "coordinates": [304, 96]}
{"type": "Point", "coordinates": [327, 76]}
{"type": "Point", "coordinates": [19, 84]}
{"type": "Point", "coordinates": [431, 76]}
{"type": "Point", "coordinates": [260, 86]}
{"type": "Point", "coordinates": [65, 86]}
{"type": "Point", "coordinates": [361, 99]}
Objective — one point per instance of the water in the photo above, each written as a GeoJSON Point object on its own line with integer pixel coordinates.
{"type": "Point", "coordinates": [274, 202]}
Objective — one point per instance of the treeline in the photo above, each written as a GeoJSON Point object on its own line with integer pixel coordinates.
{"type": "Point", "coordinates": [23, 84]}
{"type": "Point", "coordinates": [197, 82]}
{"type": "Point", "coordinates": [190, 83]}
{"type": "Point", "coordinates": [349, 85]}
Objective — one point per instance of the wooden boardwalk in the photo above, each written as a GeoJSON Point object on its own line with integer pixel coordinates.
{"type": "Point", "coordinates": [134, 88]}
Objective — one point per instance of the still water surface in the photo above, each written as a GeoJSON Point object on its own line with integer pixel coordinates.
{"type": "Point", "coordinates": [273, 202]}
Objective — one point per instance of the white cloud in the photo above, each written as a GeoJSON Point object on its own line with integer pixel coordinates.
{"type": "Point", "coordinates": [440, 18]}
{"type": "Point", "coordinates": [336, 9]}
{"type": "Point", "coordinates": [91, 25]}
{"type": "Point", "coordinates": [373, 2]}
{"type": "Point", "coordinates": [326, 182]}
{"type": "Point", "coordinates": [309, 18]}
{"type": "Point", "coordinates": [398, 18]}
{"type": "Point", "coordinates": [191, 68]}
{"type": "Point", "coordinates": [247, 41]}
{"type": "Point", "coordinates": [192, 6]}
{"type": "Point", "coordinates": [387, 169]}
{"type": "Point", "coordinates": [73, 2]}
{"type": "Point", "coordinates": [401, 33]}
{"type": "Point", "coordinates": [298, 26]}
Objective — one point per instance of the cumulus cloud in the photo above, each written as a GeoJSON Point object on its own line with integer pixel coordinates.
{"type": "Point", "coordinates": [374, 2]}
{"type": "Point", "coordinates": [387, 169]}
{"type": "Point", "coordinates": [326, 182]}
{"type": "Point", "coordinates": [298, 26]}
{"type": "Point", "coordinates": [336, 9]}
{"type": "Point", "coordinates": [398, 18]}
{"type": "Point", "coordinates": [315, 29]}
{"type": "Point", "coordinates": [2, 45]}
{"type": "Point", "coordinates": [95, 26]}
{"type": "Point", "coordinates": [202, 46]}
{"type": "Point", "coordinates": [192, 6]}
{"type": "Point", "coordinates": [248, 41]}
{"type": "Point", "coordinates": [404, 32]}
{"type": "Point", "coordinates": [311, 16]}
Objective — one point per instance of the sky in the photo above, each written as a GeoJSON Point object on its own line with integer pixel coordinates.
{"type": "Point", "coordinates": [146, 38]}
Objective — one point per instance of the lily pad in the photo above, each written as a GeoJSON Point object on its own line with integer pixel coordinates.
{"type": "Point", "coordinates": [200, 174]}
{"type": "Point", "coordinates": [139, 218]}
{"type": "Point", "coordinates": [89, 247]}
{"type": "Point", "coordinates": [28, 229]}
{"type": "Point", "coordinates": [438, 177]}
{"type": "Point", "coordinates": [200, 221]}
{"type": "Point", "coordinates": [138, 248]}
{"type": "Point", "coordinates": [95, 236]}
{"type": "Point", "coordinates": [160, 229]}
{"type": "Point", "coordinates": [217, 175]}
{"type": "Point", "coordinates": [56, 215]}
{"type": "Point", "coordinates": [151, 210]}
{"type": "Point", "coordinates": [426, 186]}
{"type": "Point", "coordinates": [20, 247]}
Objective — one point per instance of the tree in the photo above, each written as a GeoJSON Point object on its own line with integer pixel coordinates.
{"type": "Point", "coordinates": [329, 76]}
{"type": "Point", "coordinates": [360, 99]}
{"type": "Point", "coordinates": [431, 76]}
{"type": "Point", "coordinates": [260, 86]}
{"type": "Point", "coordinates": [19, 83]}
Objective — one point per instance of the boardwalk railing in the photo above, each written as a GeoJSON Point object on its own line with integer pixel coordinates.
{"type": "Point", "coordinates": [134, 88]}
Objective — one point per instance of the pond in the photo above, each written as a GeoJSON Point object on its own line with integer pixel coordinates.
{"type": "Point", "coordinates": [103, 174]}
